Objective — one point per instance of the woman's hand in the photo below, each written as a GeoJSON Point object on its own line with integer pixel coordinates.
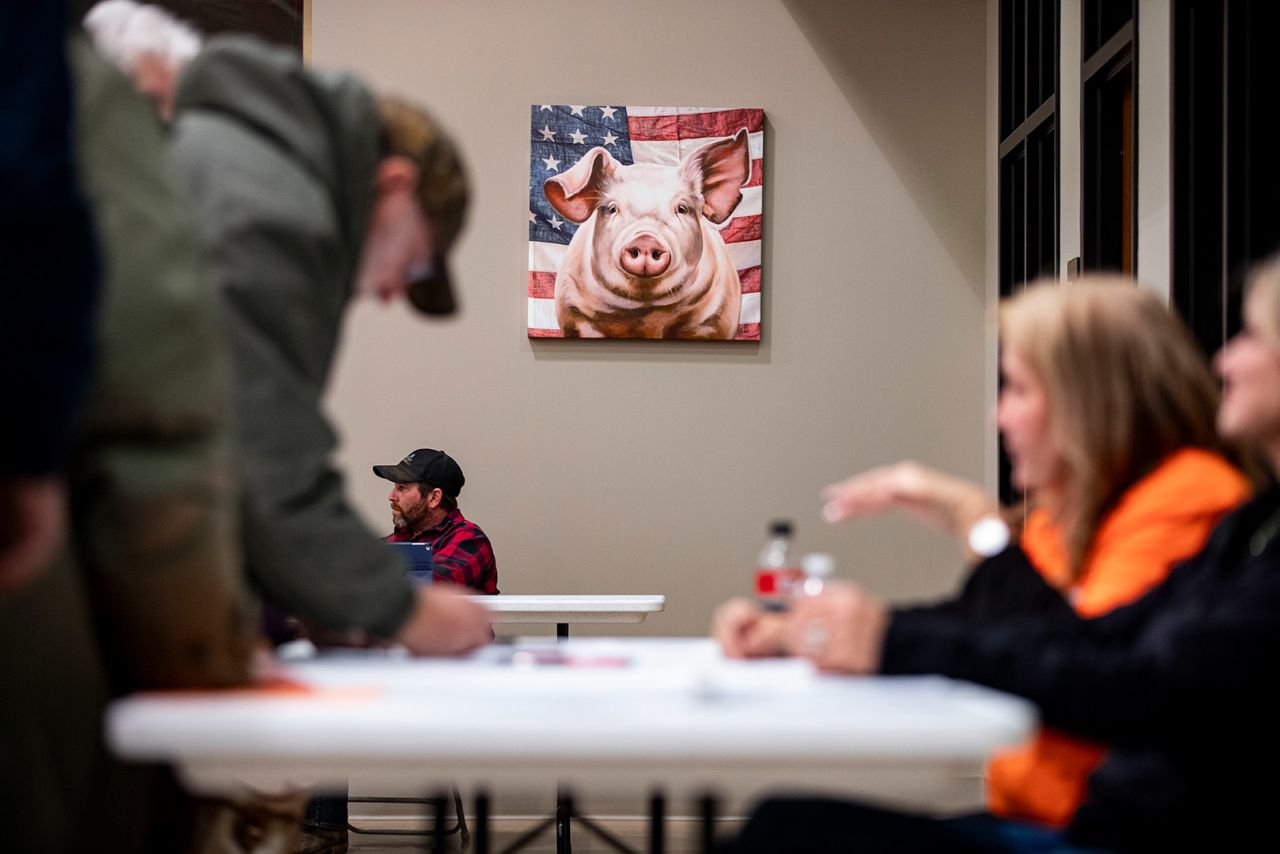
{"type": "Point", "coordinates": [841, 630]}
{"type": "Point", "coordinates": [745, 630]}
{"type": "Point", "coordinates": [945, 502]}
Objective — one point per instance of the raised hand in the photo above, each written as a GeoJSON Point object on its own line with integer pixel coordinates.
{"type": "Point", "coordinates": [948, 503]}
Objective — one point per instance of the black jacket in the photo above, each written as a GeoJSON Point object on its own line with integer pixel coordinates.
{"type": "Point", "coordinates": [1177, 682]}
{"type": "Point", "coordinates": [48, 260]}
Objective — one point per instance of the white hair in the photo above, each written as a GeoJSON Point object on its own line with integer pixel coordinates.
{"type": "Point", "coordinates": [125, 31]}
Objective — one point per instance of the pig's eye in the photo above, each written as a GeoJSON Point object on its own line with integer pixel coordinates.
{"type": "Point", "coordinates": [611, 208]}
{"type": "Point", "coordinates": [682, 208]}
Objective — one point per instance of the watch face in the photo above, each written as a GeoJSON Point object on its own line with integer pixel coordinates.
{"type": "Point", "coordinates": [989, 536]}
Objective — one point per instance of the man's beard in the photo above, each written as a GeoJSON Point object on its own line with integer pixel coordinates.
{"type": "Point", "coordinates": [411, 519]}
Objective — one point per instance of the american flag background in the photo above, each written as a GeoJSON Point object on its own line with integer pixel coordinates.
{"type": "Point", "coordinates": [560, 134]}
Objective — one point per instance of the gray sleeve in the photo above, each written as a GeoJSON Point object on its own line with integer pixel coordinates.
{"type": "Point", "coordinates": [276, 265]}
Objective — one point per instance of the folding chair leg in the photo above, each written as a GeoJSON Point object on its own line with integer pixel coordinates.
{"type": "Point", "coordinates": [462, 817]}
{"type": "Point", "coordinates": [459, 826]}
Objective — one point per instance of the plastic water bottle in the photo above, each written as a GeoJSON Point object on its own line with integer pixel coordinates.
{"type": "Point", "coordinates": [777, 576]}
{"type": "Point", "coordinates": [818, 568]}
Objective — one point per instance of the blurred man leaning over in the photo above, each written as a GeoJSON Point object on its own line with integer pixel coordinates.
{"type": "Point", "coordinates": [308, 191]}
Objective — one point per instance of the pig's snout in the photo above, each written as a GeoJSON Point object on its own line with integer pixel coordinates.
{"type": "Point", "coordinates": [645, 256]}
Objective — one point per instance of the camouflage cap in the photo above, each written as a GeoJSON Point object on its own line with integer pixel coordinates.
{"type": "Point", "coordinates": [408, 131]}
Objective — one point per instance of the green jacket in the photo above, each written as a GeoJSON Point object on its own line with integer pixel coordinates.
{"type": "Point", "coordinates": [148, 593]}
{"type": "Point", "coordinates": [280, 160]}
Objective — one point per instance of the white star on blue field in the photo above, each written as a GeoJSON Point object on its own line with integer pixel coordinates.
{"type": "Point", "coordinates": [559, 135]}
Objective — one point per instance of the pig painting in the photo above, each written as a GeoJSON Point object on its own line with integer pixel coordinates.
{"type": "Point", "coordinates": [645, 254]}
{"type": "Point", "coordinates": [646, 262]}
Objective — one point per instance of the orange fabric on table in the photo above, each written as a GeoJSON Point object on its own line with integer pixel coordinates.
{"type": "Point", "coordinates": [1162, 519]}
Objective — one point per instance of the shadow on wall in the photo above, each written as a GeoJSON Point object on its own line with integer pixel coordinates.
{"type": "Point", "coordinates": [914, 72]}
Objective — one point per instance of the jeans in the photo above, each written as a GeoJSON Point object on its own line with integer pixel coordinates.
{"type": "Point", "coordinates": [992, 833]}
{"type": "Point", "coordinates": [819, 826]}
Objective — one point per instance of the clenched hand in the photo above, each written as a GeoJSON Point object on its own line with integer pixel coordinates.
{"type": "Point", "coordinates": [745, 630]}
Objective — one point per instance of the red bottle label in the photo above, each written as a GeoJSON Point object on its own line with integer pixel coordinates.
{"type": "Point", "coordinates": [780, 581]}
{"type": "Point", "coordinates": [766, 582]}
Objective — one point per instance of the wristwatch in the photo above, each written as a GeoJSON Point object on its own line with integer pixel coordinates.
{"type": "Point", "coordinates": [989, 536]}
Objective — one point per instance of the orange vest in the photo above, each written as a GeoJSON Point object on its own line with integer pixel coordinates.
{"type": "Point", "coordinates": [1160, 520]}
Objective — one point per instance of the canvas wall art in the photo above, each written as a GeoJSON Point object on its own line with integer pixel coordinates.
{"type": "Point", "coordinates": [645, 222]}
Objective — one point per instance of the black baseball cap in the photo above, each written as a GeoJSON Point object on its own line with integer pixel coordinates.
{"type": "Point", "coordinates": [429, 466]}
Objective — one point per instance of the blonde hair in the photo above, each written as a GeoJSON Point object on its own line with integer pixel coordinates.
{"type": "Point", "coordinates": [1126, 386]}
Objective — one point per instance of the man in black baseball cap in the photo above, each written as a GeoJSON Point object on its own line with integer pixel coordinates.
{"type": "Point", "coordinates": [424, 509]}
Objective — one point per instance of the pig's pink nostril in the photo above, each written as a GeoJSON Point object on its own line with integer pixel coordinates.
{"type": "Point", "coordinates": [645, 256]}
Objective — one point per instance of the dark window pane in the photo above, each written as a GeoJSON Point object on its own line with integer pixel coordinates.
{"type": "Point", "coordinates": [1102, 20]}
{"type": "Point", "coordinates": [1109, 168]}
{"type": "Point", "coordinates": [1005, 97]}
{"type": "Point", "coordinates": [1198, 178]}
{"type": "Point", "coordinates": [1028, 190]}
{"type": "Point", "coordinates": [1253, 171]}
{"type": "Point", "coordinates": [1048, 50]}
{"type": "Point", "coordinates": [1012, 220]}
{"type": "Point", "coordinates": [1044, 147]}
{"type": "Point", "coordinates": [1035, 94]}
{"type": "Point", "coordinates": [1018, 63]}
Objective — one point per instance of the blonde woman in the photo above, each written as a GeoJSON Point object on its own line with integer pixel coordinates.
{"type": "Point", "coordinates": [1107, 413]}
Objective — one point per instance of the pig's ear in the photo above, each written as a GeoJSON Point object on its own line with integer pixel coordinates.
{"type": "Point", "coordinates": [575, 192]}
{"type": "Point", "coordinates": [721, 168]}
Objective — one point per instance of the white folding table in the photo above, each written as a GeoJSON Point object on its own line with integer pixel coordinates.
{"type": "Point", "coordinates": [618, 715]}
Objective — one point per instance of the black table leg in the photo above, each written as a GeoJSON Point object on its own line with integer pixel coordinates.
{"type": "Point", "coordinates": [564, 803]}
{"type": "Point", "coordinates": [707, 807]}
{"type": "Point", "coordinates": [657, 823]}
{"type": "Point", "coordinates": [481, 837]}
{"type": "Point", "coordinates": [564, 811]}
{"type": "Point", "coordinates": [439, 805]}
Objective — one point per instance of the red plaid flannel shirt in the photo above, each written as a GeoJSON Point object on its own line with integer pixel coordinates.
{"type": "Point", "coordinates": [460, 552]}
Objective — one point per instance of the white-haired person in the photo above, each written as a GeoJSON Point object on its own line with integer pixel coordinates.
{"type": "Point", "coordinates": [1033, 619]}
{"type": "Point", "coordinates": [146, 42]}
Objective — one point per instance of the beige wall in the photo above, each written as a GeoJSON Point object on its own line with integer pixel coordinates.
{"type": "Point", "coordinates": [634, 467]}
